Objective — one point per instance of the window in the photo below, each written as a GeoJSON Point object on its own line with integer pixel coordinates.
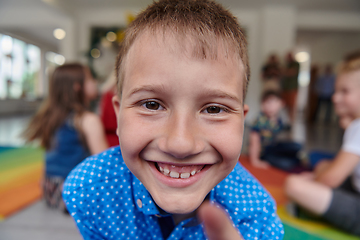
{"type": "Point", "coordinates": [20, 65]}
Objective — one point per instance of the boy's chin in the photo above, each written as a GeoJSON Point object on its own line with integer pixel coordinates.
{"type": "Point", "coordinates": [179, 206]}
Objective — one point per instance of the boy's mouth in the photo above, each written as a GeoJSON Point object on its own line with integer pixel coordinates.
{"type": "Point", "coordinates": [179, 171]}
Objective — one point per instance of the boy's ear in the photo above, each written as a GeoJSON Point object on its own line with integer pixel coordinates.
{"type": "Point", "coordinates": [246, 109]}
{"type": "Point", "coordinates": [116, 105]}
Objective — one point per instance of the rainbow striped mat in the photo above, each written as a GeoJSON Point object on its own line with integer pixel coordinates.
{"type": "Point", "coordinates": [20, 175]}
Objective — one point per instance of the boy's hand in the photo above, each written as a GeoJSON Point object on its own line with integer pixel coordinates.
{"type": "Point", "coordinates": [216, 222]}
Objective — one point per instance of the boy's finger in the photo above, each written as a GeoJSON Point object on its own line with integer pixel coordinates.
{"type": "Point", "coordinates": [216, 222]}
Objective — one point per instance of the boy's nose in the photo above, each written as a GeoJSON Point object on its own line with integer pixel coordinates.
{"type": "Point", "coordinates": [181, 137]}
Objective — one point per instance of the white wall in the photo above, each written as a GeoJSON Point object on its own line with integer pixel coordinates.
{"type": "Point", "coordinates": [328, 46]}
{"type": "Point", "coordinates": [278, 30]}
{"type": "Point", "coordinates": [328, 20]}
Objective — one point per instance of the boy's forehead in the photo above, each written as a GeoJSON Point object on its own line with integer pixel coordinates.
{"type": "Point", "coordinates": [183, 45]}
{"type": "Point", "coordinates": [150, 43]}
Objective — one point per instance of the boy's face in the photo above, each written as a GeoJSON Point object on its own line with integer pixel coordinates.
{"type": "Point", "coordinates": [347, 94]}
{"type": "Point", "coordinates": [272, 106]}
{"type": "Point", "coordinates": [180, 121]}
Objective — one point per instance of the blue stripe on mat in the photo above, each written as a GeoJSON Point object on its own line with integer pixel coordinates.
{"type": "Point", "coordinates": [5, 148]}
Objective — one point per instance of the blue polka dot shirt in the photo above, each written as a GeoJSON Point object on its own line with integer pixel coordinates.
{"type": "Point", "coordinates": [108, 202]}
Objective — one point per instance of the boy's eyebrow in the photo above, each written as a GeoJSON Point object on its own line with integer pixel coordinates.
{"type": "Point", "coordinates": [220, 94]}
{"type": "Point", "coordinates": [205, 93]}
{"type": "Point", "coordinates": [147, 88]}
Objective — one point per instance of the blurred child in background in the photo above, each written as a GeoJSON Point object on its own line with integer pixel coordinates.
{"type": "Point", "coordinates": [332, 191]}
{"type": "Point", "coordinates": [265, 149]}
{"type": "Point", "coordinates": [65, 128]}
{"type": "Point", "coordinates": [290, 84]}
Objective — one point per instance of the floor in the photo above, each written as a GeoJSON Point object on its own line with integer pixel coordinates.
{"type": "Point", "coordinates": [40, 223]}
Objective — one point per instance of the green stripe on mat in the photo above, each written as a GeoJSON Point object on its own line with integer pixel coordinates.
{"type": "Point", "coordinates": [17, 157]}
{"type": "Point", "coordinates": [292, 233]}
{"type": "Point", "coordinates": [297, 229]}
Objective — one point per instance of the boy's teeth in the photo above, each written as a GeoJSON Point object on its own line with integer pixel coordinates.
{"type": "Point", "coordinates": [185, 175]}
{"type": "Point", "coordinates": [174, 174]}
{"type": "Point", "coordinates": [179, 171]}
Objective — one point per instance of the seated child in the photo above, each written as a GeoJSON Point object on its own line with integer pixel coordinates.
{"type": "Point", "coordinates": [332, 191]}
{"type": "Point", "coordinates": [182, 75]}
{"type": "Point", "coordinates": [65, 128]}
{"type": "Point", "coordinates": [264, 147]}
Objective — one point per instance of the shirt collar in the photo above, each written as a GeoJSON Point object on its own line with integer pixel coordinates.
{"type": "Point", "coordinates": [144, 202]}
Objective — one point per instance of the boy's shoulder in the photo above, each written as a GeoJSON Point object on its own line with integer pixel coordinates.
{"type": "Point", "coordinates": [243, 186]}
{"type": "Point", "coordinates": [249, 205]}
{"type": "Point", "coordinates": [99, 169]}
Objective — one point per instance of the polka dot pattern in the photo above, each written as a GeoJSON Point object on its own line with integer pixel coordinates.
{"type": "Point", "coordinates": [108, 202]}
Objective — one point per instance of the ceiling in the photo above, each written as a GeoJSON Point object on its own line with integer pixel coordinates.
{"type": "Point", "coordinates": [329, 5]}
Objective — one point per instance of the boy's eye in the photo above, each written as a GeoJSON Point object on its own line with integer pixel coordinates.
{"type": "Point", "coordinates": [213, 109]}
{"type": "Point", "coordinates": [152, 105]}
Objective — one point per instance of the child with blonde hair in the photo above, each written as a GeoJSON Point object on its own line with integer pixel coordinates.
{"type": "Point", "coordinates": [332, 191]}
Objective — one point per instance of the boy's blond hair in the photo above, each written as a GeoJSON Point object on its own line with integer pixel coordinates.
{"type": "Point", "coordinates": [350, 63]}
{"type": "Point", "coordinates": [205, 23]}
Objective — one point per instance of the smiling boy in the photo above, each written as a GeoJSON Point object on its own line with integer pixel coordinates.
{"type": "Point", "coordinates": [182, 77]}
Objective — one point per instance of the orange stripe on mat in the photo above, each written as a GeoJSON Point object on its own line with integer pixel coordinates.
{"type": "Point", "coordinates": [19, 197]}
